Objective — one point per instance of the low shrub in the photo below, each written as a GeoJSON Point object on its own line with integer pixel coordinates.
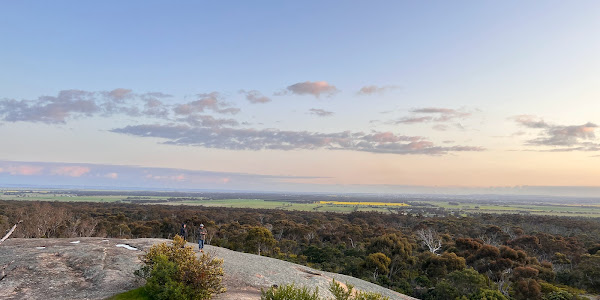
{"type": "Point", "coordinates": [174, 272]}
{"type": "Point", "coordinates": [292, 292]}
{"type": "Point", "coordinates": [348, 293]}
{"type": "Point", "coordinates": [289, 292]}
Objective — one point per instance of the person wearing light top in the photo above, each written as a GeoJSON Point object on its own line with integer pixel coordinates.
{"type": "Point", "coordinates": [201, 237]}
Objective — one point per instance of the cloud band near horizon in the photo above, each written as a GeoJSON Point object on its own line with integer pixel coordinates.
{"type": "Point", "coordinates": [274, 139]}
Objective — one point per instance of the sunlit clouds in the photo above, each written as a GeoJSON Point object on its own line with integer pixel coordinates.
{"type": "Point", "coordinates": [73, 171]}
{"type": "Point", "coordinates": [560, 137]}
{"type": "Point", "coordinates": [26, 170]}
{"type": "Point", "coordinates": [252, 139]}
{"type": "Point", "coordinates": [206, 102]}
{"type": "Point", "coordinates": [255, 96]}
{"type": "Point", "coordinates": [375, 90]}
{"type": "Point", "coordinates": [310, 96]}
{"type": "Point", "coordinates": [433, 114]}
{"type": "Point", "coordinates": [316, 88]}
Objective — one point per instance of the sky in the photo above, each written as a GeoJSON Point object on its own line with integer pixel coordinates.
{"type": "Point", "coordinates": [323, 96]}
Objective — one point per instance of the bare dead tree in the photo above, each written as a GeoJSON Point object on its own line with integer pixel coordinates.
{"type": "Point", "coordinates": [503, 282]}
{"type": "Point", "coordinates": [278, 235]}
{"type": "Point", "coordinates": [269, 226]}
{"type": "Point", "coordinates": [490, 238]}
{"type": "Point", "coordinates": [352, 242]}
{"type": "Point", "coordinates": [509, 231]}
{"type": "Point", "coordinates": [431, 239]}
{"type": "Point", "coordinates": [3, 268]}
{"type": "Point", "coordinates": [10, 232]}
{"type": "Point", "coordinates": [375, 274]}
{"type": "Point", "coordinates": [311, 235]}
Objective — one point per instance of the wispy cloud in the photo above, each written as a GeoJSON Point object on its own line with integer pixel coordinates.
{"type": "Point", "coordinates": [414, 120]}
{"type": "Point", "coordinates": [73, 104]}
{"type": "Point", "coordinates": [566, 135]}
{"type": "Point", "coordinates": [561, 137]}
{"type": "Point", "coordinates": [21, 169]}
{"type": "Point", "coordinates": [432, 114]}
{"type": "Point", "coordinates": [208, 121]}
{"type": "Point", "coordinates": [443, 114]}
{"type": "Point", "coordinates": [112, 175]}
{"type": "Point", "coordinates": [193, 122]}
{"type": "Point", "coordinates": [255, 96]}
{"type": "Point", "coordinates": [155, 108]}
{"type": "Point", "coordinates": [530, 121]}
{"type": "Point", "coordinates": [210, 101]}
{"type": "Point", "coordinates": [440, 127]}
{"type": "Point", "coordinates": [73, 171]}
{"type": "Point", "coordinates": [373, 89]}
{"type": "Point", "coordinates": [177, 177]}
{"type": "Point", "coordinates": [320, 112]}
{"type": "Point", "coordinates": [316, 88]}
{"type": "Point", "coordinates": [48, 109]}
{"type": "Point", "coordinates": [255, 139]}
{"type": "Point", "coordinates": [70, 104]}
{"type": "Point", "coordinates": [119, 94]}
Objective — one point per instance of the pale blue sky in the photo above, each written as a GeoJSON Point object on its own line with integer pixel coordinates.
{"type": "Point", "coordinates": [479, 63]}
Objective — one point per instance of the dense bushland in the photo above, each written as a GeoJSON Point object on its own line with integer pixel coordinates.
{"type": "Point", "coordinates": [491, 256]}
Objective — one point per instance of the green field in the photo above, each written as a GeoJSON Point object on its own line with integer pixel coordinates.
{"type": "Point", "coordinates": [462, 208]}
{"type": "Point", "coordinates": [234, 203]}
{"type": "Point", "coordinates": [262, 204]}
{"type": "Point", "coordinates": [534, 209]}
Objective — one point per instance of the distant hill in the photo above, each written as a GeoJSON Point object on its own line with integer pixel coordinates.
{"type": "Point", "coordinates": [97, 268]}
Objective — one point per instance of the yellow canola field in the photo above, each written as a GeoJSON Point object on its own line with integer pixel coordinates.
{"type": "Point", "coordinates": [363, 203]}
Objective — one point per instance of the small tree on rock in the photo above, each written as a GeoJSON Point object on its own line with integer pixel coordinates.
{"type": "Point", "coordinates": [174, 272]}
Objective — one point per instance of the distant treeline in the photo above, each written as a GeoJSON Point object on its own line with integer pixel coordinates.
{"type": "Point", "coordinates": [487, 256]}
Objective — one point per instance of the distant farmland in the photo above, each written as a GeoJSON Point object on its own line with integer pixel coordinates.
{"type": "Point", "coordinates": [423, 207]}
{"type": "Point", "coordinates": [365, 203]}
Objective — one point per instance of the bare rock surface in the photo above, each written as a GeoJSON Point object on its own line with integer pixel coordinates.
{"type": "Point", "coordinates": [96, 268]}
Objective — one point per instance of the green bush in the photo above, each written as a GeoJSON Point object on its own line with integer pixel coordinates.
{"type": "Point", "coordinates": [348, 293]}
{"type": "Point", "coordinates": [486, 294]}
{"type": "Point", "coordinates": [560, 295]}
{"type": "Point", "coordinates": [174, 272]}
{"type": "Point", "coordinates": [163, 283]}
{"type": "Point", "coordinates": [467, 284]}
{"type": "Point", "coordinates": [289, 292]}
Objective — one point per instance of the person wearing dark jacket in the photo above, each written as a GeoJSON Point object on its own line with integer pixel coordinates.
{"type": "Point", "coordinates": [183, 232]}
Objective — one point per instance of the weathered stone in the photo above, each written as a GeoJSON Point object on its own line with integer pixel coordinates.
{"type": "Point", "coordinates": [96, 268]}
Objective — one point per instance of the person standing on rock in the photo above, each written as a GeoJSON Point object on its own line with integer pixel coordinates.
{"type": "Point", "coordinates": [183, 232]}
{"type": "Point", "coordinates": [201, 237]}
